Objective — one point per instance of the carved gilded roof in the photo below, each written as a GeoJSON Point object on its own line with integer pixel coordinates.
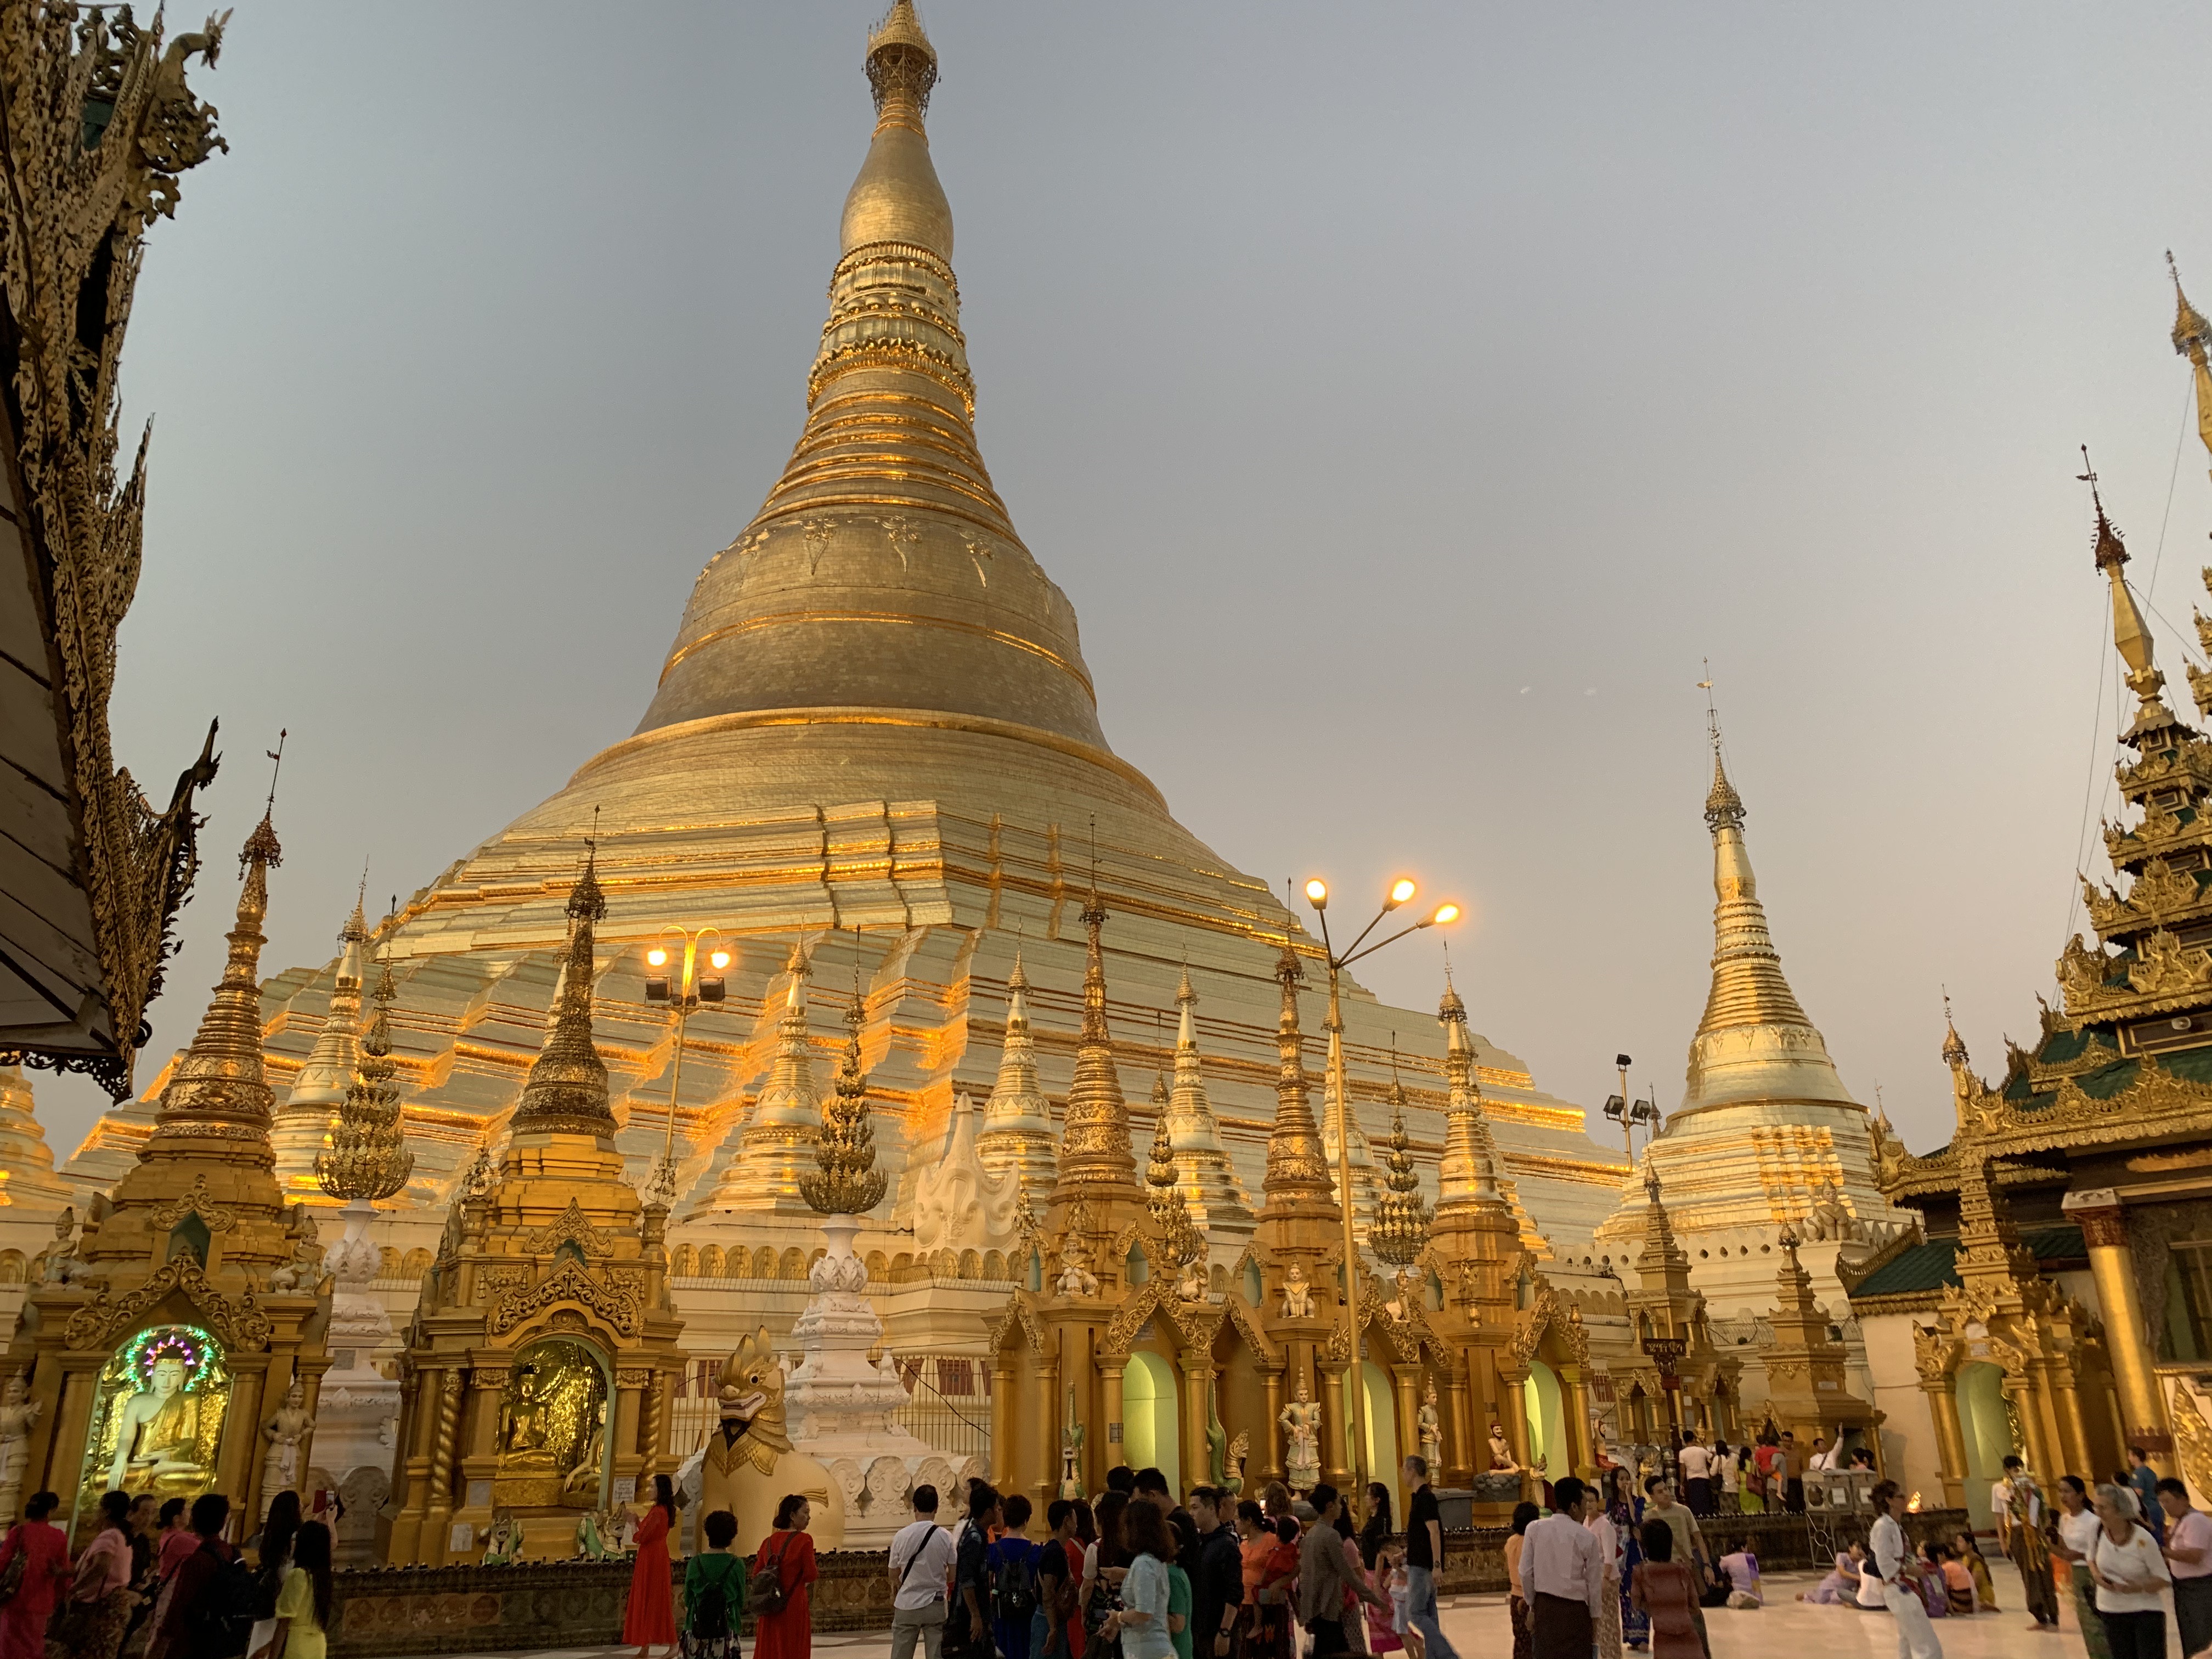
{"type": "Point", "coordinates": [96, 124]}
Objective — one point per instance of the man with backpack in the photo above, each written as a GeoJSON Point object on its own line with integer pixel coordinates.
{"type": "Point", "coordinates": [921, 1563]}
{"type": "Point", "coordinates": [1013, 1572]}
{"type": "Point", "coordinates": [216, 1599]}
{"type": "Point", "coordinates": [967, 1627]}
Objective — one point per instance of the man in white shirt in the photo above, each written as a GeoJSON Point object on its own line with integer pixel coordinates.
{"type": "Point", "coordinates": [1892, 1561]}
{"type": "Point", "coordinates": [1696, 1466]}
{"type": "Point", "coordinates": [921, 1564]}
{"type": "Point", "coordinates": [1563, 1577]}
{"type": "Point", "coordinates": [1824, 1456]}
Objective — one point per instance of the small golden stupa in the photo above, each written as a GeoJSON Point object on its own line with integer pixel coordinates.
{"type": "Point", "coordinates": [542, 1354]}
{"type": "Point", "coordinates": [181, 1319]}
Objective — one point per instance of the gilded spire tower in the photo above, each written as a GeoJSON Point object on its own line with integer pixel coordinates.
{"type": "Point", "coordinates": [310, 1112]}
{"type": "Point", "coordinates": [1211, 1190]}
{"type": "Point", "coordinates": [1098, 1163]}
{"type": "Point", "coordinates": [196, 1258]}
{"type": "Point", "coordinates": [770, 1156]}
{"type": "Point", "coordinates": [1766, 1136]}
{"type": "Point", "coordinates": [550, 1305]}
{"type": "Point", "coordinates": [1018, 1131]}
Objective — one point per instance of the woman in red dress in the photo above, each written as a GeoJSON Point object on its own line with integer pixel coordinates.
{"type": "Point", "coordinates": [650, 1618]}
{"type": "Point", "coordinates": [44, 1548]}
{"type": "Point", "coordinates": [789, 1632]}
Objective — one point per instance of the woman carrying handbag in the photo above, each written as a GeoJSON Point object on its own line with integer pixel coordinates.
{"type": "Point", "coordinates": [783, 1622]}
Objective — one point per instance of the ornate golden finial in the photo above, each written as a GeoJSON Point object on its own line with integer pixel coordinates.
{"type": "Point", "coordinates": [902, 67]}
{"type": "Point", "coordinates": [2129, 632]}
{"type": "Point", "coordinates": [2192, 336]}
{"type": "Point", "coordinates": [566, 1090]}
{"type": "Point", "coordinates": [1954, 1045]}
{"type": "Point", "coordinates": [1296, 1167]}
{"type": "Point", "coordinates": [1400, 1231]}
{"type": "Point", "coordinates": [1095, 1147]}
{"type": "Point", "coordinates": [1159, 1168]}
{"type": "Point", "coordinates": [848, 1182]}
{"type": "Point", "coordinates": [1659, 1248]}
{"type": "Point", "coordinates": [219, 1089]}
{"type": "Point", "coordinates": [1469, 1172]}
{"type": "Point", "coordinates": [2109, 545]}
{"type": "Point", "coordinates": [1724, 806]}
{"type": "Point", "coordinates": [367, 1157]}
{"type": "Point", "coordinates": [2191, 333]}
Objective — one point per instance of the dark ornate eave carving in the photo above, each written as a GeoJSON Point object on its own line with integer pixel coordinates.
{"type": "Point", "coordinates": [96, 127]}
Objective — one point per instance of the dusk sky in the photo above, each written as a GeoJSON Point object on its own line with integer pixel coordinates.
{"type": "Point", "coordinates": [1410, 399]}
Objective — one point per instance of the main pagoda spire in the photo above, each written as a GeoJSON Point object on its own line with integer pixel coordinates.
{"type": "Point", "coordinates": [1755, 1041]}
{"type": "Point", "coordinates": [884, 573]}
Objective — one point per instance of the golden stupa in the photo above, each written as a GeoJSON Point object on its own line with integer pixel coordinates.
{"type": "Point", "coordinates": [875, 750]}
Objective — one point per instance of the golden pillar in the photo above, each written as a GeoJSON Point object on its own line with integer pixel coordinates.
{"type": "Point", "coordinates": [1197, 1384]}
{"type": "Point", "coordinates": [1405, 1387]}
{"type": "Point", "coordinates": [1950, 1440]}
{"type": "Point", "coordinates": [241, 1435]}
{"type": "Point", "coordinates": [1046, 1486]}
{"type": "Point", "coordinates": [1109, 1375]}
{"type": "Point", "coordinates": [1335, 1432]}
{"type": "Point", "coordinates": [650, 1432]}
{"type": "Point", "coordinates": [64, 1472]}
{"type": "Point", "coordinates": [441, 1505]}
{"type": "Point", "coordinates": [1271, 1434]}
{"type": "Point", "coordinates": [1459, 1443]}
{"type": "Point", "coordinates": [1515, 1411]}
{"type": "Point", "coordinates": [1002, 1418]}
{"type": "Point", "coordinates": [2079, 1454]}
{"type": "Point", "coordinates": [629, 1417]}
{"type": "Point", "coordinates": [2046, 1399]}
{"type": "Point", "coordinates": [2104, 1226]}
{"type": "Point", "coordinates": [1581, 1456]}
{"type": "Point", "coordinates": [2022, 1395]}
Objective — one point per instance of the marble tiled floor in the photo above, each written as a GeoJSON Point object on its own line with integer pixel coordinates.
{"type": "Point", "coordinates": [1476, 1626]}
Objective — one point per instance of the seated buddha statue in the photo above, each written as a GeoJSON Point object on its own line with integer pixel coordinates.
{"type": "Point", "coordinates": [526, 1425]}
{"type": "Point", "coordinates": [157, 1446]}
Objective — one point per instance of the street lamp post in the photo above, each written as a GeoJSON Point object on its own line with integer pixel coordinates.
{"type": "Point", "coordinates": [1401, 890]}
{"type": "Point", "coordinates": [683, 992]}
{"type": "Point", "coordinates": [1629, 1113]}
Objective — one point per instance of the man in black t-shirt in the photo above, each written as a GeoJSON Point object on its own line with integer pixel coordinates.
{"type": "Point", "coordinates": [1057, 1578]}
{"type": "Point", "coordinates": [1425, 1553]}
{"type": "Point", "coordinates": [1217, 1586]}
{"type": "Point", "coordinates": [968, 1627]}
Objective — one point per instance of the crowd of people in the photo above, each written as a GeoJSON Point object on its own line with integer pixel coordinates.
{"type": "Point", "coordinates": [1139, 1574]}
{"type": "Point", "coordinates": [1755, 1477]}
{"type": "Point", "coordinates": [159, 1580]}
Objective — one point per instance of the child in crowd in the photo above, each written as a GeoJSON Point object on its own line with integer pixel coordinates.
{"type": "Point", "coordinates": [1969, 1556]}
{"type": "Point", "coordinates": [1958, 1580]}
{"type": "Point", "coordinates": [1841, 1587]}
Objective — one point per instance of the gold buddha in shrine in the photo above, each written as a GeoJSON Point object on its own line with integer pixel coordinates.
{"type": "Point", "coordinates": [551, 1427]}
{"type": "Point", "coordinates": [158, 1441]}
{"type": "Point", "coordinates": [525, 1430]}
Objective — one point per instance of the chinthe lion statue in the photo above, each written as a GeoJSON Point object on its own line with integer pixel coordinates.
{"type": "Point", "coordinates": [748, 1466]}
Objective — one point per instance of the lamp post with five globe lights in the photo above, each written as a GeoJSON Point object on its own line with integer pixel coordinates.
{"type": "Point", "coordinates": [1401, 891]}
